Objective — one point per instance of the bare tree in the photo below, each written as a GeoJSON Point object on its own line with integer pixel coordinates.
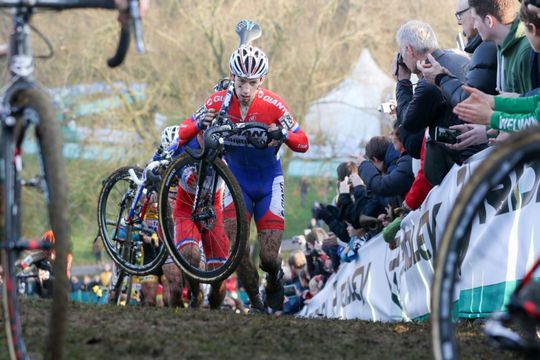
{"type": "Point", "coordinates": [312, 46]}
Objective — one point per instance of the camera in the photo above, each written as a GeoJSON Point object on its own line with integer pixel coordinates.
{"type": "Point", "coordinates": [446, 135]}
{"type": "Point", "coordinates": [387, 107]}
{"type": "Point", "coordinates": [400, 62]}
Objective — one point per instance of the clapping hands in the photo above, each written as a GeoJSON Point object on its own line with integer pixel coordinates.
{"type": "Point", "coordinates": [477, 108]}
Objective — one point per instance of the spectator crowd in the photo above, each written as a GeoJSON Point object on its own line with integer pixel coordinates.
{"type": "Point", "coordinates": [449, 105]}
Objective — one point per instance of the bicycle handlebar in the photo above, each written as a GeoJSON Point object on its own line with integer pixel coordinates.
{"type": "Point", "coordinates": [125, 36]}
{"type": "Point", "coordinates": [125, 32]}
{"type": "Point", "coordinates": [60, 4]}
{"type": "Point", "coordinates": [122, 48]}
{"type": "Point", "coordinates": [137, 25]}
{"type": "Point", "coordinates": [214, 137]}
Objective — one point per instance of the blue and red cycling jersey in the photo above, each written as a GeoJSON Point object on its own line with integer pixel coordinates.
{"type": "Point", "coordinates": [258, 171]}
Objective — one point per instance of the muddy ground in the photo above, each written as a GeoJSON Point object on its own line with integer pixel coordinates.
{"type": "Point", "coordinates": [109, 332]}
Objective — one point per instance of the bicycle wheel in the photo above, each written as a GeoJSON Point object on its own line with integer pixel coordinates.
{"type": "Point", "coordinates": [123, 240]}
{"type": "Point", "coordinates": [9, 221]}
{"type": "Point", "coordinates": [35, 108]}
{"type": "Point", "coordinates": [521, 149]}
{"type": "Point", "coordinates": [206, 240]}
{"type": "Point", "coordinates": [120, 287]}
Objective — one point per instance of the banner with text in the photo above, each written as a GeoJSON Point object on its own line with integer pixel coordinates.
{"type": "Point", "coordinates": [394, 285]}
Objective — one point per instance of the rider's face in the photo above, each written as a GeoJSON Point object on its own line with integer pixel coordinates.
{"type": "Point", "coordinates": [246, 89]}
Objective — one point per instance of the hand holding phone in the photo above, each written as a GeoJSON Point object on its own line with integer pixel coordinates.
{"type": "Point", "coordinates": [446, 135]}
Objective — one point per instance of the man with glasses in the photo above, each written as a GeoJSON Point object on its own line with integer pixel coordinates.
{"type": "Point", "coordinates": [497, 20]}
{"type": "Point", "coordinates": [482, 74]}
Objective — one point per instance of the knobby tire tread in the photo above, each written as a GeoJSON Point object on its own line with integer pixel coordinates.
{"type": "Point", "coordinates": [499, 164]}
{"type": "Point", "coordinates": [242, 230]}
{"type": "Point", "coordinates": [49, 138]}
{"type": "Point", "coordinates": [108, 184]}
{"type": "Point", "coordinates": [8, 230]}
{"type": "Point", "coordinates": [49, 142]}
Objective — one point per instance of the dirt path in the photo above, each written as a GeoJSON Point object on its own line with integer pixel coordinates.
{"type": "Point", "coordinates": [108, 332]}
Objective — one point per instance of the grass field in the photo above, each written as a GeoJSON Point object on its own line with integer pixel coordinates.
{"type": "Point", "coordinates": [110, 332]}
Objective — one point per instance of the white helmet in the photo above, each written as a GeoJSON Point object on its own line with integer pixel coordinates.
{"type": "Point", "coordinates": [169, 136]}
{"type": "Point", "coordinates": [248, 62]}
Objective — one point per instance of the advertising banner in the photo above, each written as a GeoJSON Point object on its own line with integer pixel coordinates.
{"type": "Point", "coordinates": [394, 285]}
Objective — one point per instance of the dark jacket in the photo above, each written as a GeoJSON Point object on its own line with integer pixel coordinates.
{"type": "Point", "coordinates": [395, 183]}
{"type": "Point", "coordinates": [363, 202]}
{"type": "Point", "coordinates": [427, 106]}
{"type": "Point", "coordinates": [481, 74]}
{"type": "Point", "coordinates": [412, 140]}
{"type": "Point", "coordinates": [330, 215]}
{"type": "Point", "coordinates": [390, 158]}
{"type": "Point", "coordinates": [535, 69]}
{"type": "Point", "coordinates": [349, 210]}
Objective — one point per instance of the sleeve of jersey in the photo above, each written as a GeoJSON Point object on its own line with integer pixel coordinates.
{"type": "Point", "coordinates": [520, 105]}
{"type": "Point", "coordinates": [188, 127]}
{"type": "Point", "coordinates": [188, 130]}
{"type": "Point", "coordinates": [296, 139]}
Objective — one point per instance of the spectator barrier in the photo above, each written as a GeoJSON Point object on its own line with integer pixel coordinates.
{"type": "Point", "coordinates": [394, 285]}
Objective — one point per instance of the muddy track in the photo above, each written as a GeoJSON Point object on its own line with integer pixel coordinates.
{"type": "Point", "coordinates": [108, 332]}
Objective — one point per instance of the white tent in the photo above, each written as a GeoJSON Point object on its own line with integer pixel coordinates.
{"type": "Point", "coordinates": [342, 121]}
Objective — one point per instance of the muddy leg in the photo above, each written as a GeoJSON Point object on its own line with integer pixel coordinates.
{"type": "Point", "coordinates": [172, 285]}
{"type": "Point", "coordinates": [270, 241]}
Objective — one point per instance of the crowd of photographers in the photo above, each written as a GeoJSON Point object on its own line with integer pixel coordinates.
{"type": "Point", "coordinates": [376, 190]}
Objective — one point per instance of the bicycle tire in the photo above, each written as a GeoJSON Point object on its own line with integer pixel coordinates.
{"type": "Point", "coordinates": [118, 288]}
{"type": "Point", "coordinates": [49, 141]}
{"type": "Point", "coordinates": [12, 320]}
{"type": "Point", "coordinates": [115, 287]}
{"type": "Point", "coordinates": [513, 153]}
{"type": "Point", "coordinates": [237, 240]}
{"type": "Point", "coordinates": [115, 188]}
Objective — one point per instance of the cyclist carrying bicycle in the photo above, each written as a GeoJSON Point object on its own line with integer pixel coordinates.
{"type": "Point", "coordinates": [258, 171]}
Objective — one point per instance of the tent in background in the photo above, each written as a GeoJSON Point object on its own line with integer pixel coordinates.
{"type": "Point", "coordinates": [340, 123]}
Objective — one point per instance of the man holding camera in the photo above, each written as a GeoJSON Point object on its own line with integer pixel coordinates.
{"type": "Point", "coordinates": [482, 74]}
{"type": "Point", "coordinates": [425, 106]}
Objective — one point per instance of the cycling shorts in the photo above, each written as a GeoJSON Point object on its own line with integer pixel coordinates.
{"type": "Point", "coordinates": [264, 196]}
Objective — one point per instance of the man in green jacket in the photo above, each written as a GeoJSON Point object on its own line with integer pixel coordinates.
{"type": "Point", "coordinates": [496, 20]}
{"type": "Point", "coordinates": [505, 114]}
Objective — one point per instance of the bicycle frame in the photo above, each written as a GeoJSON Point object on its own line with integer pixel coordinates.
{"type": "Point", "coordinates": [20, 78]}
{"type": "Point", "coordinates": [141, 189]}
{"type": "Point", "coordinates": [17, 114]}
{"type": "Point", "coordinates": [136, 213]}
{"type": "Point", "coordinates": [21, 73]}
